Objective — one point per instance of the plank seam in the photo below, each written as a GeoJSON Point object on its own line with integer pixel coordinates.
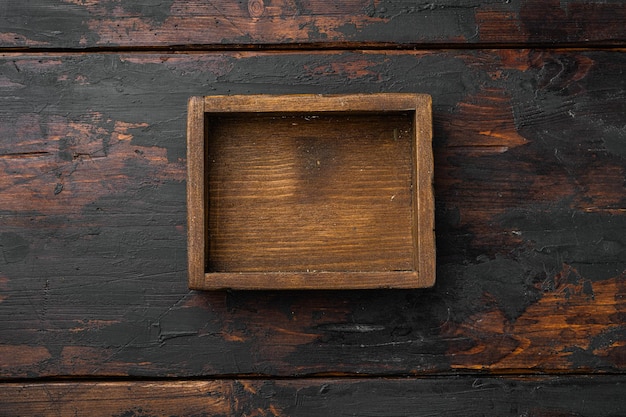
{"type": "Point", "coordinates": [614, 46]}
{"type": "Point", "coordinates": [324, 376]}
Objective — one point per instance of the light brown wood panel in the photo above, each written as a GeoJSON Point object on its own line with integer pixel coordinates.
{"type": "Point", "coordinates": [151, 398]}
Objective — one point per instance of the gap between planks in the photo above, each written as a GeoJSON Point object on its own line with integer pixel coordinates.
{"type": "Point", "coordinates": [512, 374]}
{"type": "Point", "coordinates": [618, 46]}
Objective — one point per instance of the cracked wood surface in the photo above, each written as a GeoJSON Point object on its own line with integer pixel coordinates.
{"type": "Point", "coordinates": [530, 220]}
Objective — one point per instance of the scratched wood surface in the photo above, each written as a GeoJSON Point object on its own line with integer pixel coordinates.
{"type": "Point", "coordinates": [539, 397]}
{"type": "Point", "coordinates": [294, 23]}
{"type": "Point", "coordinates": [529, 105]}
{"type": "Point", "coordinates": [530, 220]}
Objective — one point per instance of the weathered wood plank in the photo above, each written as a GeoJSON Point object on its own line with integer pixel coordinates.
{"type": "Point", "coordinates": [127, 23]}
{"type": "Point", "coordinates": [530, 219]}
{"type": "Point", "coordinates": [157, 398]}
{"type": "Point", "coordinates": [539, 397]}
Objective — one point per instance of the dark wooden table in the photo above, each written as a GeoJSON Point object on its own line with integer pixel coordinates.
{"type": "Point", "coordinates": [528, 315]}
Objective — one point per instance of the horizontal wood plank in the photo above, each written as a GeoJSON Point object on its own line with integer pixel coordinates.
{"type": "Point", "coordinates": [483, 396]}
{"type": "Point", "coordinates": [182, 23]}
{"type": "Point", "coordinates": [530, 220]}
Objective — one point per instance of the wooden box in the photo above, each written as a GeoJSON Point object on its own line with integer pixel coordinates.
{"type": "Point", "coordinates": [310, 192]}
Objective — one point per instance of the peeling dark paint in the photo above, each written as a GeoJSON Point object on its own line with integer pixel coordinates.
{"type": "Point", "coordinates": [427, 21]}
{"type": "Point", "coordinates": [43, 24]}
{"type": "Point", "coordinates": [154, 11]}
{"type": "Point", "coordinates": [13, 247]}
{"type": "Point", "coordinates": [171, 23]}
{"type": "Point", "coordinates": [112, 251]}
{"type": "Point", "coordinates": [591, 242]}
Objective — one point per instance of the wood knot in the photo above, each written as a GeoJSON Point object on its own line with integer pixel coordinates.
{"type": "Point", "coordinates": [256, 8]}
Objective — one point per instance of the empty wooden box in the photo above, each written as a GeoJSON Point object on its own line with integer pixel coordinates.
{"type": "Point", "coordinates": [310, 192]}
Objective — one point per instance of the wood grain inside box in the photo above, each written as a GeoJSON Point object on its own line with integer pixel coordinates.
{"type": "Point", "coordinates": [310, 192]}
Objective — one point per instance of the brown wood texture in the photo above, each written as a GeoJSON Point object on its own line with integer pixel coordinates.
{"type": "Point", "coordinates": [537, 397]}
{"type": "Point", "coordinates": [312, 191]}
{"type": "Point", "coordinates": [196, 193]}
{"type": "Point", "coordinates": [530, 219]}
{"type": "Point", "coordinates": [182, 23]}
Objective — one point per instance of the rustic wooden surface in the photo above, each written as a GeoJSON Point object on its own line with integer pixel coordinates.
{"type": "Point", "coordinates": [462, 397]}
{"type": "Point", "coordinates": [529, 147]}
{"type": "Point", "coordinates": [530, 216]}
{"type": "Point", "coordinates": [291, 23]}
